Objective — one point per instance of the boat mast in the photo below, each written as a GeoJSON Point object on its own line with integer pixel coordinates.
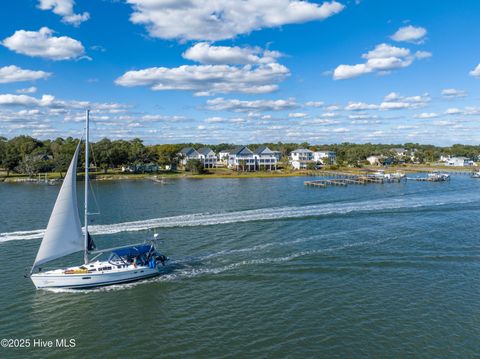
{"type": "Point", "coordinates": [85, 251]}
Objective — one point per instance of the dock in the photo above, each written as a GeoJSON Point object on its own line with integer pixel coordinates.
{"type": "Point", "coordinates": [351, 179]}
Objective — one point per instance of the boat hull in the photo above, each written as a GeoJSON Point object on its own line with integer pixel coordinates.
{"type": "Point", "coordinates": [90, 280]}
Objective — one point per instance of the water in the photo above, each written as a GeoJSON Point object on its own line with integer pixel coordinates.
{"type": "Point", "coordinates": [260, 268]}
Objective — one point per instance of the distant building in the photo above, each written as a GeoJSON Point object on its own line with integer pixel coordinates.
{"type": "Point", "coordinates": [141, 168]}
{"type": "Point", "coordinates": [460, 161]}
{"type": "Point", "coordinates": [300, 158]}
{"type": "Point", "coordinates": [208, 157]}
{"type": "Point", "coordinates": [265, 158]}
{"type": "Point", "coordinates": [187, 154]}
{"type": "Point", "coordinates": [380, 160]}
{"type": "Point", "coordinates": [400, 152]}
{"type": "Point", "coordinates": [325, 157]}
{"type": "Point", "coordinates": [223, 156]}
{"type": "Point", "coordinates": [241, 159]}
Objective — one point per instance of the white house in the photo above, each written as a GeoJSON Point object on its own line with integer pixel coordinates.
{"type": "Point", "coordinates": [300, 158]}
{"type": "Point", "coordinates": [241, 158]}
{"type": "Point", "coordinates": [187, 154]}
{"type": "Point", "coordinates": [460, 161]}
{"type": "Point", "coordinates": [223, 156]}
{"type": "Point", "coordinates": [208, 157]}
{"type": "Point", "coordinates": [325, 157]}
{"type": "Point", "coordinates": [265, 158]}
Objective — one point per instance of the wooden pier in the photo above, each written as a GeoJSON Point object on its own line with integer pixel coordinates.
{"type": "Point", "coordinates": [350, 179]}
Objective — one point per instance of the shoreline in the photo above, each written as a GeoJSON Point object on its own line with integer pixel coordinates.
{"type": "Point", "coordinates": [225, 174]}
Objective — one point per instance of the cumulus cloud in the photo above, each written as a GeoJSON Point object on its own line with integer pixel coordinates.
{"type": "Point", "coordinates": [475, 72]}
{"type": "Point", "coordinates": [314, 103]}
{"type": "Point", "coordinates": [64, 8]}
{"type": "Point", "coordinates": [426, 115]}
{"type": "Point", "coordinates": [383, 58]}
{"type": "Point", "coordinates": [394, 101]}
{"type": "Point", "coordinates": [453, 93]}
{"type": "Point", "coordinates": [208, 79]}
{"type": "Point", "coordinates": [24, 100]}
{"type": "Point", "coordinates": [223, 19]}
{"type": "Point", "coordinates": [297, 115]}
{"type": "Point", "coordinates": [42, 43]}
{"type": "Point", "coordinates": [31, 89]}
{"type": "Point", "coordinates": [360, 106]}
{"type": "Point", "coordinates": [14, 73]}
{"type": "Point", "coordinates": [221, 104]}
{"type": "Point", "coordinates": [410, 34]}
{"type": "Point", "coordinates": [217, 55]}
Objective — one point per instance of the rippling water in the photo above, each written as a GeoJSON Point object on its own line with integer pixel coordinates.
{"type": "Point", "coordinates": [260, 268]}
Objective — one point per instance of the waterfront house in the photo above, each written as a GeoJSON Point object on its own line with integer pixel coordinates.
{"type": "Point", "coordinates": [380, 160]}
{"type": "Point", "coordinates": [187, 154]}
{"type": "Point", "coordinates": [325, 157]}
{"type": "Point", "coordinates": [265, 158]}
{"type": "Point", "coordinates": [300, 158]}
{"type": "Point", "coordinates": [208, 157]}
{"type": "Point", "coordinates": [460, 161]}
{"type": "Point", "coordinates": [241, 159]}
{"type": "Point", "coordinates": [223, 156]}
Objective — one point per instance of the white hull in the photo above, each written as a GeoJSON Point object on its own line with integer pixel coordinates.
{"type": "Point", "coordinates": [57, 279]}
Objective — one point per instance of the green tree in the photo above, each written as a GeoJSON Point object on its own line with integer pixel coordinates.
{"type": "Point", "coordinates": [195, 166]}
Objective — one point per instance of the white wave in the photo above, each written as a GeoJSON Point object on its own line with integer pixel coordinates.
{"type": "Point", "coordinates": [191, 272]}
{"type": "Point", "coordinates": [263, 214]}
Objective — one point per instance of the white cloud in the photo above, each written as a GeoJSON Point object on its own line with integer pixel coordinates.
{"type": "Point", "coordinates": [453, 93]}
{"type": "Point", "coordinates": [221, 104]}
{"type": "Point", "coordinates": [423, 54]}
{"type": "Point", "coordinates": [410, 34]}
{"type": "Point", "coordinates": [382, 59]}
{"type": "Point", "coordinates": [394, 101]}
{"type": "Point", "coordinates": [31, 89]}
{"type": "Point", "coordinates": [223, 19]}
{"type": "Point", "coordinates": [24, 100]}
{"type": "Point", "coordinates": [218, 55]}
{"type": "Point", "coordinates": [42, 43]}
{"type": "Point", "coordinates": [208, 79]}
{"type": "Point", "coordinates": [453, 111]}
{"type": "Point", "coordinates": [476, 71]}
{"type": "Point", "coordinates": [314, 103]}
{"type": "Point", "coordinates": [14, 73]}
{"type": "Point", "coordinates": [64, 8]}
{"type": "Point", "coordinates": [426, 115]}
{"type": "Point", "coordinates": [360, 106]}
{"type": "Point", "coordinates": [297, 115]}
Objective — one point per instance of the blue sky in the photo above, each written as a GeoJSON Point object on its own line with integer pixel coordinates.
{"type": "Point", "coordinates": [172, 71]}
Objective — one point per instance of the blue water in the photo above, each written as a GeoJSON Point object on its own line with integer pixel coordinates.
{"type": "Point", "coordinates": [259, 268]}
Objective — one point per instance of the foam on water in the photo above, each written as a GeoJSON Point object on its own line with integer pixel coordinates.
{"type": "Point", "coordinates": [189, 272]}
{"type": "Point", "coordinates": [262, 214]}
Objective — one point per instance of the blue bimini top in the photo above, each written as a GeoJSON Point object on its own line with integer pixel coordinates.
{"type": "Point", "coordinates": [133, 251]}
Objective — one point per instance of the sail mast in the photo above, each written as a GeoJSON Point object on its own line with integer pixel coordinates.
{"type": "Point", "coordinates": [85, 251]}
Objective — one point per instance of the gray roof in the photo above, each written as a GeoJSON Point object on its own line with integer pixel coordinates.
{"type": "Point", "coordinates": [264, 149]}
{"type": "Point", "coordinates": [241, 150]}
{"type": "Point", "coordinates": [187, 151]}
{"type": "Point", "coordinates": [302, 150]}
{"type": "Point", "coordinates": [205, 150]}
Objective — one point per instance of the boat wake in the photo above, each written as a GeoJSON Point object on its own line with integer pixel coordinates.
{"type": "Point", "coordinates": [180, 270]}
{"type": "Point", "coordinates": [263, 214]}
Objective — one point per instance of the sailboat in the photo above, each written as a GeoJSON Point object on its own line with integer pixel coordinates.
{"type": "Point", "coordinates": [64, 236]}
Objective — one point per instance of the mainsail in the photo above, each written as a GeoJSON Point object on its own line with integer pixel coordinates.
{"type": "Point", "coordinates": [63, 235]}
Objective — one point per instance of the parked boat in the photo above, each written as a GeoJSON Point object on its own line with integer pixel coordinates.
{"type": "Point", "coordinates": [438, 177]}
{"type": "Point", "coordinates": [476, 174]}
{"type": "Point", "coordinates": [64, 236]}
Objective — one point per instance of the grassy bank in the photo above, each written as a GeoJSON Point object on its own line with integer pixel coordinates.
{"type": "Point", "coordinates": [115, 175]}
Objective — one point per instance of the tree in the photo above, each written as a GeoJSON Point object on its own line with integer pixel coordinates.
{"type": "Point", "coordinates": [11, 158]}
{"type": "Point", "coordinates": [195, 166]}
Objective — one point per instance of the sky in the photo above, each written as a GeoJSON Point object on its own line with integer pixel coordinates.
{"type": "Point", "coordinates": [251, 71]}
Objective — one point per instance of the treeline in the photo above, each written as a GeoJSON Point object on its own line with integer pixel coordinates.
{"type": "Point", "coordinates": [24, 154]}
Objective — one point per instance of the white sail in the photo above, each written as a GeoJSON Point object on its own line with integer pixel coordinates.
{"type": "Point", "coordinates": [63, 235]}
